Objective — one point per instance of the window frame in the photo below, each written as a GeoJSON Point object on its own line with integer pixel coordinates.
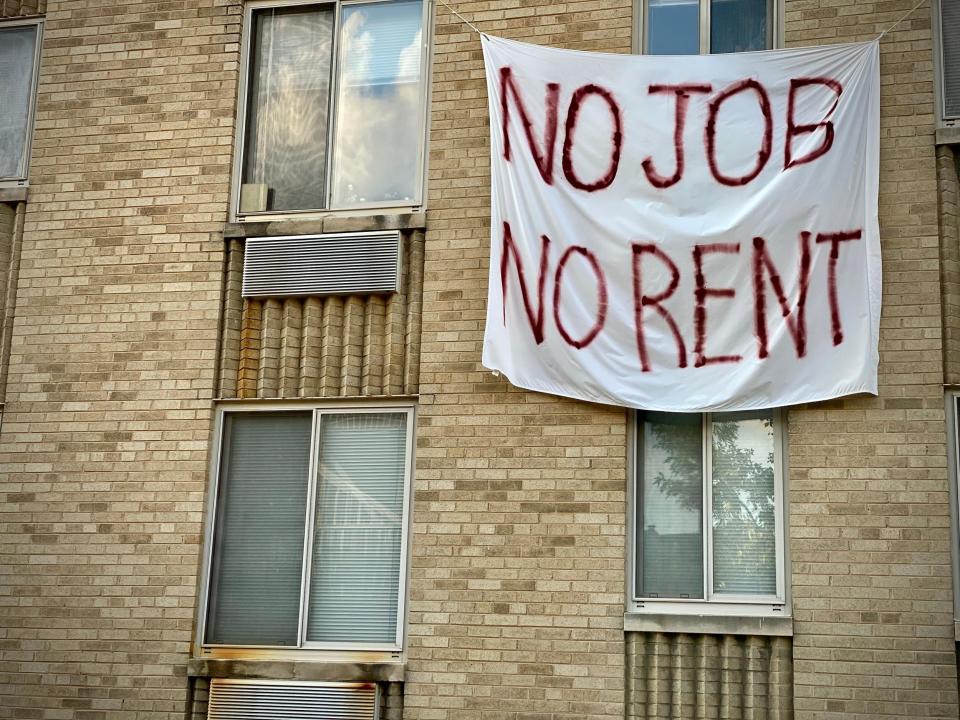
{"type": "Point", "coordinates": [22, 180]}
{"type": "Point", "coordinates": [939, 74]}
{"type": "Point", "coordinates": [640, 9]}
{"type": "Point", "coordinates": [777, 605]}
{"type": "Point", "coordinates": [952, 417]}
{"type": "Point", "coordinates": [240, 131]}
{"type": "Point", "coordinates": [303, 647]}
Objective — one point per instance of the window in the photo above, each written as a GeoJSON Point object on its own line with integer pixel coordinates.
{"type": "Point", "coordinates": [19, 60]}
{"type": "Point", "coordinates": [947, 53]}
{"type": "Point", "coordinates": [689, 27]}
{"type": "Point", "coordinates": [334, 108]}
{"type": "Point", "coordinates": [709, 512]}
{"type": "Point", "coordinates": [309, 529]}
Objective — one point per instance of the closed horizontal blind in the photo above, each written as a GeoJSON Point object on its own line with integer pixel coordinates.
{"type": "Point", "coordinates": [260, 526]}
{"type": "Point", "coordinates": [355, 569]}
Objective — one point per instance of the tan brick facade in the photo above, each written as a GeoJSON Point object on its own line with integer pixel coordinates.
{"type": "Point", "coordinates": [127, 326]}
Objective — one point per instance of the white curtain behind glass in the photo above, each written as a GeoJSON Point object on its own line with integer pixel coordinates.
{"type": "Point", "coordinates": [17, 52]}
{"type": "Point", "coordinates": [289, 98]}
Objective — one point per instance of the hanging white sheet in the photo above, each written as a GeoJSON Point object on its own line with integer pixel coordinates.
{"type": "Point", "coordinates": [684, 233]}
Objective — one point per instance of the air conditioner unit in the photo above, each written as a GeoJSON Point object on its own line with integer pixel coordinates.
{"type": "Point", "coordinates": [947, 22]}
{"type": "Point", "coordinates": [283, 700]}
{"type": "Point", "coordinates": [334, 264]}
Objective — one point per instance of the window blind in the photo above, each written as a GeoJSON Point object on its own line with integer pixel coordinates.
{"type": "Point", "coordinates": [259, 530]}
{"type": "Point", "coordinates": [17, 52]}
{"type": "Point", "coordinates": [355, 568]}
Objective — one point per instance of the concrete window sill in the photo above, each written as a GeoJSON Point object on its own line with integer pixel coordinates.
{"type": "Point", "coordinates": [330, 224]}
{"type": "Point", "coordinates": [708, 624]}
{"type": "Point", "coordinates": [296, 670]}
{"type": "Point", "coordinates": [947, 136]}
{"type": "Point", "coordinates": [13, 194]}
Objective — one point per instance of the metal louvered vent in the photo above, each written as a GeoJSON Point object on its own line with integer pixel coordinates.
{"type": "Point", "coordinates": [950, 48]}
{"type": "Point", "coordinates": [280, 700]}
{"type": "Point", "coordinates": [340, 264]}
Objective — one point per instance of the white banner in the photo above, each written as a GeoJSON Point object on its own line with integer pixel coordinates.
{"type": "Point", "coordinates": [684, 234]}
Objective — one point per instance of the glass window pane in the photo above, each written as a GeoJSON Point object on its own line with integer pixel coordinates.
{"type": "Point", "coordinates": [355, 573]}
{"type": "Point", "coordinates": [673, 27]}
{"type": "Point", "coordinates": [259, 529]}
{"type": "Point", "coordinates": [744, 534]}
{"type": "Point", "coordinates": [288, 101]}
{"type": "Point", "coordinates": [739, 25]}
{"type": "Point", "coordinates": [17, 52]}
{"type": "Point", "coordinates": [949, 35]}
{"type": "Point", "coordinates": [671, 503]}
{"type": "Point", "coordinates": [379, 115]}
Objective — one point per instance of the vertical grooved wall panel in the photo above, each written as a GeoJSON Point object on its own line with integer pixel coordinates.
{"type": "Point", "coordinates": [312, 348]}
{"type": "Point", "coordinates": [414, 296]}
{"type": "Point", "coordinates": [250, 348]}
{"type": "Point", "coordinates": [708, 677]}
{"type": "Point", "coordinates": [22, 8]}
{"type": "Point", "coordinates": [333, 346]}
{"type": "Point", "coordinates": [232, 320]}
{"type": "Point", "coordinates": [948, 187]}
{"type": "Point", "coordinates": [11, 237]}
{"type": "Point", "coordinates": [271, 328]}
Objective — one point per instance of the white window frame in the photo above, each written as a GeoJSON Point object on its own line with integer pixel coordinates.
{"type": "Point", "coordinates": [939, 77]}
{"type": "Point", "coordinates": [243, 104]}
{"type": "Point", "coordinates": [21, 180]}
{"type": "Point", "coordinates": [318, 411]}
{"type": "Point", "coordinates": [952, 415]}
{"type": "Point", "coordinates": [640, 24]}
{"type": "Point", "coordinates": [777, 605]}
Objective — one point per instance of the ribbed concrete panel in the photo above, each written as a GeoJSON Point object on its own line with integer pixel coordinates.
{"type": "Point", "coordinates": [322, 345]}
{"type": "Point", "coordinates": [11, 236]}
{"type": "Point", "coordinates": [709, 677]}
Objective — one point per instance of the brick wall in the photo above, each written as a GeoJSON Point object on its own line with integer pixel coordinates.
{"type": "Point", "coordinates": [517, 568]}
{"type": "Point", "coordinates": [518, 554]}
{"type": "Point", "coordinates": [948, 196]}
{"type": "Point", "coordinates": [104, 444]}
{"type": "Point", "coordinates": [869, 512]}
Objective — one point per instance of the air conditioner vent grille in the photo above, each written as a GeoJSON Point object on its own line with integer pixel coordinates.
{"type": "Point", "coordinates": [340, 264]}
{"type": "Point", "coordinates": [278, 700]}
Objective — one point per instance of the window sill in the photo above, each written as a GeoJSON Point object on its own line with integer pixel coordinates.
{"type": "Point", "coordinates": [708, 624]}
{"type": "Point", "coordinates": [316, 671]}
{"type": "Point", "coordinates": [330, 224]}
{"type": "Point", "coordinates": [13, 193]}
{"type": "Point", "coordinates": [947, 136]}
